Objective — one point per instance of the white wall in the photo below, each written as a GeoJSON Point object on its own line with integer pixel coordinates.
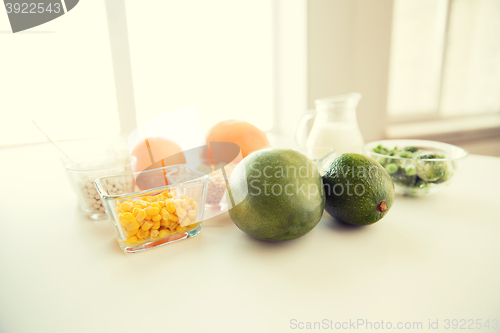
{"type": "Point", "coordinates": [348, 50]}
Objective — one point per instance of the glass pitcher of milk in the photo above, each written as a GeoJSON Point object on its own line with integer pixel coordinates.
{"type": "Point", "coordinates": [333, 125]}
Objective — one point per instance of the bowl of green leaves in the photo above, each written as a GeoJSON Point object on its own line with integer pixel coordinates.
{"type": "Point", "coordinates": [417, 167]}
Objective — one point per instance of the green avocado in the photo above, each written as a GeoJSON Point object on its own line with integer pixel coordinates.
{"type": "Point", "coordinates": [358, 190]}
{"type": "Point", "coordinates": [276, 195]}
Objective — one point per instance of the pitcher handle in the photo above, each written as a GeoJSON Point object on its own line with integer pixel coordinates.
{"type": "Point", "coordinates": [304, 128]}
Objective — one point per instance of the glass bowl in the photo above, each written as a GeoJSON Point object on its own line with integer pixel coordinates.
{"type": "Point", "coordinates": [417, 167]}
{"type": "Point", "coordinates": [83, 172]}
{"type": "Point", "coordinates": [166, 206]}
{"type": "Point", "coordinates": [216, 193]}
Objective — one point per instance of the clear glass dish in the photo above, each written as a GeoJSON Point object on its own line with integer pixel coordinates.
{"type": "Point", "coordinates": [167, 206]}
{"type": "Point", "coordinates": [216, 194]}
{"type": "Point", "coordinates": [417, 175]}
{"type": "Point", "coordinates": [83, 172]}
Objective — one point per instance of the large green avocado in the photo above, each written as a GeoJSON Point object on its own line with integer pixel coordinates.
{"type": "Point", "coordinates": [277, 195]}
{"type": "Point", "coordinates": [358, 190]}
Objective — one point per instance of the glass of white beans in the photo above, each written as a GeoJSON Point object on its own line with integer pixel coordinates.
{"type": "Point", "coordinates": [82, 174]}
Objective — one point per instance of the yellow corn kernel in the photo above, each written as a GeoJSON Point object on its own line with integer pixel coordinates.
{"type": "Point", "coordinates": [192, 214]}
{"type": "Point", "coordinates": [126, 206]}
{"type": "Point", "coordinates": [129, 216]}
{"type": "Point", "coordinates": [161, 203]}
{"type": "Point", "coordinates": [148, 218]}
{"type": "Point", "coordinates": [132, 232]}
{"type": "Point", "coordinates": [156, 205]}
{"type": "Point", "coordinates": [173, 193]}
{"type": "Point", "coordinates": [164, 233]}
{"type": "Point", "coordinates": [148, 198]}
{"type": "Point", "coordinates": [132, 239]}
{"type": "Point", "coordinates": [132, 226]}
{"type": "Point", "coordinates": [143, 234]}
{"type": "Point", "coordinates": [183, 196]}
{"type": "Point", "coordinates": [165, 194]}
{"type": "Point", "coordinates": [164, 223]}
{"type": "Point", "coordinates": [185, 203]}
{"type": "Point", "coordinates": [135, 211]}
{"type": "Point", "coordinates": [141, 215]}
{"type": "Point", "coordinates": [185, 221]}
{"type": "Point", "coordinates": [156, 218]}
{"type": "Point", "coordinates": [164, 214]}
{"type": "Point", "coordinates": [146, 226]}
{"type": "Point", "coordinates": [170, 207]}
{"type": "Point", "coordinates": [152, 211]}
{"type": "Point", "coordinates": [173, 217]}
{"type": "Point", "coordinates": [128, 200]}
{"type": "Point", "coordinates": [191, 201]}
{"type": "Point", "coordinates": [154, 233]}
{"type": "Point", "coordinates": [195, 205]}
{"type": "Point", "coordinates": [143, 203]}
{"type": "Point", "coordinates": [180, 229]}
{"type": "Point", "coordinates": [181, 213]}
{"type": "Point", "coordinates": [123, 221]}
{"type": "Point", "coordinates": [156, 225]}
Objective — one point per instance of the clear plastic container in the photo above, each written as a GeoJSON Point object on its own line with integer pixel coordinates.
{"type": "Point", "coordinates": [417, 175]}
{"type": "Point", "coordinates": [177, 186]}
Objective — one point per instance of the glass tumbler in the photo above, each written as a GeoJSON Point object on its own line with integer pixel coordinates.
{"type": "Point", "coordinates": [82, 174]}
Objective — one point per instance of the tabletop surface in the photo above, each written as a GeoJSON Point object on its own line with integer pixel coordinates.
{"type": "Point", "coordinates": [430, 260]}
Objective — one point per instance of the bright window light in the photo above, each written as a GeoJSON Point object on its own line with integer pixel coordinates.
{"type": "Point", "coordinates": [61, 74]}
{"type": "Point", "coordinates": [216, 55]}
{"type": "Point", "coordinates": [416, 56]}
{"type": "Point", "coordinates": [471, 81]}
{"type": "Point", "coordinates": [445, 58]}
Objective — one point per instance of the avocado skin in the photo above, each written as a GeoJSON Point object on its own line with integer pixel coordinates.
{"type": "Point", "coordinates": [275, 217]}
{"type": "Point", "coordinates": [357, 209]}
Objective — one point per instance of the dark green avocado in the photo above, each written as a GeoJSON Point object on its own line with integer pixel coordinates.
{"type": "Point", "coordinates": [358, 190]}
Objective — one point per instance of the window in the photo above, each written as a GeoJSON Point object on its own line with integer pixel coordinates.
{"type": "Point", "coordinates": [217, 55]}
{"type": "Point", "coordinates": [471, 78]}
{"type": "Point", "coordinates": [61, 74]}
{"type": "Point", "coordinates": [445, 58]}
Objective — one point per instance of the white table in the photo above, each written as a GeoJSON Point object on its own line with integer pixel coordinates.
{"type": "Point", "coordinates": [431, 258]}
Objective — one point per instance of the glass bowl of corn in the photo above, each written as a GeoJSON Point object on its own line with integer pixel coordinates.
{"type": "Point", "coordinates": [166, 206]}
